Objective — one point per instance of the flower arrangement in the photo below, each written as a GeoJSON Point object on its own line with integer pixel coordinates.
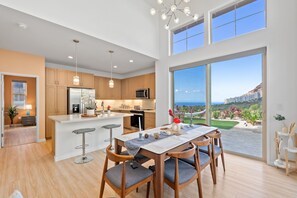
{"type": "Point", "coordinates": [108, 107]}
{"type": "Point", "coordinates": [176, 120]}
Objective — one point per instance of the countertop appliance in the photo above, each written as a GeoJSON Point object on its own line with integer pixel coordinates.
{"type": "Point", "coordinates": [143, 93]}
{"type": "Point", "coordinates": [77, 98]}
{"type": "Point", "coordinates": [137, 114]}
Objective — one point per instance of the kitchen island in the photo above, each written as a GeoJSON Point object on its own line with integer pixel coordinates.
{"type": "Point", "coordinates": [64, 141]}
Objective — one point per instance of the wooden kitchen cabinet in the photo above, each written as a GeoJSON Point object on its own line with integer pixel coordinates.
{"type": "Point", "coordinates": [56, 77]}
{"type": "Point", "coordinates": [149, 120]}
{"type": "Point", "coordinates": [130, 85]}
{"type": "Point", "coordinates": [56, 104]}
{"type": "Point", "coordinates": [87, 80]}
{"type": "Point", "coordinates": [104, 92]}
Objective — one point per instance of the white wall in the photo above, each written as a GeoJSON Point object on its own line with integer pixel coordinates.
{"type": "Point", "coordinates": [126, 23]}
{"type": "Point", "coordinates": [281, 41]}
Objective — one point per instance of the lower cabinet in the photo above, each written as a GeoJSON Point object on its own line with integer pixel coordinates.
{"type": "Point", "coordinates": [149, 120]}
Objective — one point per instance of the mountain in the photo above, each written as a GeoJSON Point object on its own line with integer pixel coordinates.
{"type": "Point", "coordinates": [253, 95]}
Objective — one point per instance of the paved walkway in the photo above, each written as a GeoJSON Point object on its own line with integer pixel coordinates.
{"type": "Point", "coordinates": [243, 139]}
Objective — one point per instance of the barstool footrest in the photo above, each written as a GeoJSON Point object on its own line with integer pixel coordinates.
{"type": "Point", "coordinates": [83, 159]}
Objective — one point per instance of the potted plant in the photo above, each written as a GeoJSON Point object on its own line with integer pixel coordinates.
{"type": "Point", "coordinates": [90, 111]}
{"type": "Point", "coordinates": [12, 112]}
{"type": "Point", "coordinates": [281, 118]}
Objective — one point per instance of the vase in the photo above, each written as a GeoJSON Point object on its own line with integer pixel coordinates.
{"type": "Point", "coordinates": [108, 112]}
{"type": "Point", "coordinates": [174, 127]}
{"type": "Point", "coordinates": [90, 112]}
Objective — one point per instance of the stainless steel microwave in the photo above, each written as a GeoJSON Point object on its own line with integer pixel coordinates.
{"type": "Point", "coordinates": [143, 93]}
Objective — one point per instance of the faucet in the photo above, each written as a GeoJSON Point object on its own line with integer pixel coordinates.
{"type": "Point", "coordinates": [102, 105]}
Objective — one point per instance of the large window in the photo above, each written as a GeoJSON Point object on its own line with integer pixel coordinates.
{"type": "Point", "coordinates": [226, 95]}
{"type": "Point", "coordinates": [19, 93]}
{"type": "Point", "coordinates": [190, 94]}
{"type": "Point", "coordinates": [240, 18]}
{"type": "Point", "coordinates": [188, 37]}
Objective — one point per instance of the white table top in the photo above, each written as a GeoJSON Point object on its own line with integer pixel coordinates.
{"type": "Point", "coordinates": [166, 144]}
{"type": "Point", "coordinates": [77, 117]}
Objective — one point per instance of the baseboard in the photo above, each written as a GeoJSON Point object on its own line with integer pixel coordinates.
{"type": "Point", "coordinates": [41, 140]}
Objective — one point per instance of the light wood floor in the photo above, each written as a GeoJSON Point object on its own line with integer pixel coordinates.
{"type": "Point", "coordinates": [19, 135]}
{"type": "Point", "coordinates": [31, 169]}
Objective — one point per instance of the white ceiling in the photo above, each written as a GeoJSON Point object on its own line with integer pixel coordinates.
{"type": "Point", "coordinates": [54, 42]}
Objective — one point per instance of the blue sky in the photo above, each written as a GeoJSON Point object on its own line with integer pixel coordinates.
{"type": "Point", "coordinates": [229, 78]}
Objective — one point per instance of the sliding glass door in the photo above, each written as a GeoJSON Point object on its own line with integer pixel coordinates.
{"type": "Point", "coordinates": [234, 90]}
{"type": "Point", "coordinates": [236, 98]}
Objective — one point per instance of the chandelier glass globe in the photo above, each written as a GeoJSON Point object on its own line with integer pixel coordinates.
{"type": "Point", "coordinates": [153, 11]}
{"type": "Point", "coordinates": [166, 27]}
{"type": "Point", "coordinates": [164, 16]}
{"type": "Point", "coordinates": [176, 20]}
{"type": "Point", "coordinates": [196, 17]}
{"type": "Point", "coordinates": [187, 11]}
{"type": "Point", "coordinates": [173, 8]}
{"type": "Point", "coordinates": [187, 1]}
{"type": "Point", "coordinates": [160, 1]}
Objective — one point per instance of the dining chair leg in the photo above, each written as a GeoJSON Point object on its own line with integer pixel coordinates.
{"type": "Point", "coordinates": [213, 173]}
{"type": "Point", "coordinates": [223, 161]}
{"type": "Point", "coordinates": [148, 189]}
{"type": "Point", "coordinates": [199, 185]}
{"type": "Point", "coordinates": [137, 189]}
{"type": "Point", "coordinates": [102, 188]}
{"type": "Point", "coordinates": [176, 193]}
{"type": "Point", "coordinates": [216, 162]}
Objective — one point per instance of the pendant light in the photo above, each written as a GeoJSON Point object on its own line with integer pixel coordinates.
{"type": "Point", "coordinates": [76, 77]}
{"type": "Point", "coordinates": [111, 83]}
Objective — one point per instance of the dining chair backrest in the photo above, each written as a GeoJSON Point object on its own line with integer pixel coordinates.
{"type": "Point", "coordinates": [205, 142]}
{"type": "Point", "coordinates": [115, 157]}
{"type": "Point", "coordinates": [183, 154]}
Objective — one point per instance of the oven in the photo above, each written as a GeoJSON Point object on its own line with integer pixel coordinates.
{"type": "Point", "coordinates": [135, 119]}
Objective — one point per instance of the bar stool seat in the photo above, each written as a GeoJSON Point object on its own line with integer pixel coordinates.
{"type": "Point", "coordinates": [110, 127]}
{"type": "Point", "coordinates": [83, 158]}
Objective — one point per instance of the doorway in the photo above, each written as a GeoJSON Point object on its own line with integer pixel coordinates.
{"type": "Point", "coordinates": [19, 110]}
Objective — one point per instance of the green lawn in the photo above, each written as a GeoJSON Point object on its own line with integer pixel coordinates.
{"type": "Point", "coordinates": [221, 124]}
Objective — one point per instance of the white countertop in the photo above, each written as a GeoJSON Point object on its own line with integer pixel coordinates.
{"type": "Point", "coordinates": [77, 117]}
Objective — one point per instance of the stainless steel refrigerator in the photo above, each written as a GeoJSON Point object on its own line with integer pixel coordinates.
{"type": "Point", "coordinates": [78, 99]}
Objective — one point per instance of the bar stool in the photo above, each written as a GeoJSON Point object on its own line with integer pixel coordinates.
{"type": "Point", "coordinates": [84, 158]}
{"type": "Point", "coordinates": [110, 127]}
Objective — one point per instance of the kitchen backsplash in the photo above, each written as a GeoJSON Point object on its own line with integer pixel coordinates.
{"type": "Point", "coordinates": [127, 104]}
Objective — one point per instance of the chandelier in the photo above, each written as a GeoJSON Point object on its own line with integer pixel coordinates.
{"type": "Point", "coordinates": [171, 11]}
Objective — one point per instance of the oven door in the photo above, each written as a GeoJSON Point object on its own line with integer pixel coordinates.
{"type": "Point", "coordinates": [135, 120]}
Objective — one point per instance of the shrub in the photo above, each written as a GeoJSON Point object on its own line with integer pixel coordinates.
{"type": "Point", "coordinates": [216, 114]}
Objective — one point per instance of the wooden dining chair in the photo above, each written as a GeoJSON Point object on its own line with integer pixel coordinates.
{"type": "Point", "coordinates": [124, 178]}
{"type": "Point", "coordinates": [216, 147]}
{"type": "Point", "coordinates": [203, 159]}
{"type": "Point", "coordinates": [179, 174]}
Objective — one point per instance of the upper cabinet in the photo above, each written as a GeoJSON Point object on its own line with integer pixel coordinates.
{"type": "Point", "coordinates": [130, 85]}
{"type": "Point", "coordinates": [104, 92]}
{"type": "Point", "coordinates": [56, 77]}
{"type": "Point", "coordinates": [85, 80]}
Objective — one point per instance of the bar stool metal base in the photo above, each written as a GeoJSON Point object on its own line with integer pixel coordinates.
{"type": "Point", "coordinates": [83, 159]}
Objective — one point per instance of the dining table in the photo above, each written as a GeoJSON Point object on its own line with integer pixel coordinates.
{"type": "Point", "coordinates": [157, 150]}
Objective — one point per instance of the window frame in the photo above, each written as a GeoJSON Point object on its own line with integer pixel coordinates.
{"type": "Point", "coordinates": [13, 93]}
{"type": "Point", "coordinates": [185, 27]}
{"type": "Point", "coordinates": [230, 7]}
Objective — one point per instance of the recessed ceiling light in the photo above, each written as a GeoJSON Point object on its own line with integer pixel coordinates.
{"type": "Point", "coordinates": [70, 57]}
{"type": "Point", "coordinates": [22, 26]}
{"type": "Point", "coordinates": [131, 61]}
{"type": "Point", "coordinates": [115, 66]}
